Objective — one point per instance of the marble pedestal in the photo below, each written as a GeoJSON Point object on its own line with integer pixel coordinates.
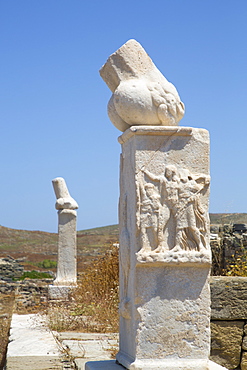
{"type": "Point", "coordinates": [66, 266]}
{"type": "Point", "coordinates": [164, 250]}
{"type": "Point", "coordinates": [60, 292]}
{"type": "Point", "coordinates": [66, 278]}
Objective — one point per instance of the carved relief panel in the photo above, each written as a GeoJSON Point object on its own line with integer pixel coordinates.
{"type": "Point", "coordinates": [171, 173]}
{"type": "Point", "coordinates": [173, 197]}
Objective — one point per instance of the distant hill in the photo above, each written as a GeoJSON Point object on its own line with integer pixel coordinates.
{"type": "Point", "coordinates": [35, 246]}
{"type": "Point", "coordinates": [104, 230]}
{"type": "Point", "coordinates": [26, 241]}
{"type": "Point", "coordinates": [228, 218]}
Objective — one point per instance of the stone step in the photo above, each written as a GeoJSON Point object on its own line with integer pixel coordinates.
{"type": "Point", "coordinates": [31, 346]}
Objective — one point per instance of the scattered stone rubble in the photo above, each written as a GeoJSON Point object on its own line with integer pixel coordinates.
{"type": "Point", "coordinates": [228, 243]}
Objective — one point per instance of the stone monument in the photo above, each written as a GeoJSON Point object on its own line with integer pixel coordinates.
{"type": "Point", "coordinates": [163, 221]}
{"type": "Point", "coordinates": [66, 266]}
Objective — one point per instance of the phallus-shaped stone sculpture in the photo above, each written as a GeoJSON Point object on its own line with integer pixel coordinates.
{"type": "Point", "coordinates": [141, 94]}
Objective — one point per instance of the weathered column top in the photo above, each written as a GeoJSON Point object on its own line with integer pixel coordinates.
{"type": "Point", "coordinates": [64, 200]}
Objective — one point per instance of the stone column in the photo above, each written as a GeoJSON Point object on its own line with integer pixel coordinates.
{"type": "Point", "coordinates": [164, 250]}
{"type": "Point", "coordinates": [67, 261]}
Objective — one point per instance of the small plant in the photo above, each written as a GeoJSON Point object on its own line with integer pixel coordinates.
{"type": "Point", "coordinates": [34, 275]}
{"type": "Point", "coordinates": [47, 264]}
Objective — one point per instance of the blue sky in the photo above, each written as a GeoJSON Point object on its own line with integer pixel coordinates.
{"type": "Point", "coordinates": [53, 117]}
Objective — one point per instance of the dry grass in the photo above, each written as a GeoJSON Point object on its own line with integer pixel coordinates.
{"type": "Point", "coordinates": [93, 306]}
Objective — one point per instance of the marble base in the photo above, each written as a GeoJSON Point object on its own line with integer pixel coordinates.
{"type": "Point", "coordinates": [59, 292]}
{"type": "Point", "coordinates": [152, 364]}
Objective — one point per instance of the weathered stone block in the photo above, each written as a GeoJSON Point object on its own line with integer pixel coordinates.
{"type": "Point", "coordinates": [226, 339]}
{"type": "Point", "coordinates": [164, 257]}
{"type": "Point", "coordinates": [228, 297]}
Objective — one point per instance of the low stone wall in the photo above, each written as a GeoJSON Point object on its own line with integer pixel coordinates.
{"type": "Point", "coordinates": [28, 293]}
{"type": "Point", "coordinates": [229, 321]}
{"type": "Point", "coordinates": [10, 268]}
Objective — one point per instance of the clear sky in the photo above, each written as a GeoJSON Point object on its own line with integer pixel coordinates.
{"type": "Point", "coordinates": [53, 102]}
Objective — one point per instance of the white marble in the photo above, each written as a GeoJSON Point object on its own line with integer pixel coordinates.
{"type": "Point", "coordinates": [67, 249]}
{"type": "Point", "coordinates": [141, 94]}
{"type": "Point", "coordinates": [164, 250]}
{"type": "Point", "coordinates": [58, 291]}
{"type": "Point", "coordinates": [29, 337]}
{"type": "Point", "coordinates": [67, 262]}
{"type": "Point", "coordinates": [64, 200]}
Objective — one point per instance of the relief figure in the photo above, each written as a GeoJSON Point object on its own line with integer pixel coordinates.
{"type": "Point", "coordinates": [149, 215]}
{"type": "Point", "coordinates": [168, 188]}
{"type": "Point", "coordinates": [180, 194]}
{"type": "Point", "coordinates": [154, 211]}
{"type": "Point", "coordinates": [190, 216]}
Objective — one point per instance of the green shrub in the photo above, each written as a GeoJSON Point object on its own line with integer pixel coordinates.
{"type": "Point", "coordinates": [47, 264]}
{"type": "Point", "coordinates": [34, 275]}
